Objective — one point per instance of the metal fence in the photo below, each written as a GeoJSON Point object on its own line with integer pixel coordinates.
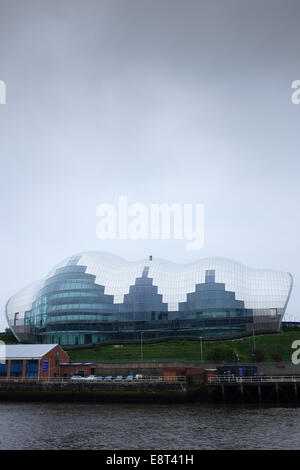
{"type": "Point", "coordinates": [146, 379]}
{"type": "Point", "coordinates": [254, 379]}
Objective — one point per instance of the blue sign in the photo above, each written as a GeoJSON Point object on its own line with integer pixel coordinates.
{"type": "Point", "coordinates": [45, 365]}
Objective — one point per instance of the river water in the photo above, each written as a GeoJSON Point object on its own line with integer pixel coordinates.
{"type": "Point", "coordinates": [147, 426]}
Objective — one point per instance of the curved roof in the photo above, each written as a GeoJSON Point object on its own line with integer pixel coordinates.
{"type": "Point", "coordinates": [175, 280]}
{"type": "Point", "coordinates": [258, 288]}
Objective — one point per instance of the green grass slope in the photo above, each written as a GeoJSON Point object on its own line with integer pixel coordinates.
{"type": "Point", "coordinates": [227, 351]}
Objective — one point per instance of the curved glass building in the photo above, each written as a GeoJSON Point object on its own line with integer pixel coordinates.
{"type": "Point", "coordinates": [94, 297]}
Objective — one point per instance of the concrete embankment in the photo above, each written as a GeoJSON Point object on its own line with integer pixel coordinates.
{"type": "Point", "coordinates": [156, 392]}
{"type": "Point", "coordinates": [119, 392]}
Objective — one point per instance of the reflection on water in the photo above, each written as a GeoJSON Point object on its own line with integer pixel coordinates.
{"type": "Point", "coordinates": [123, 426]}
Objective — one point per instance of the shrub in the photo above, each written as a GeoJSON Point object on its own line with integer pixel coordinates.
{"type": "Point", "coordinates": [8, 337]}
{"type": "Point", "coordinates": [285, 327]}
{"type": "Point", "coordinates": [190, 379]}
{"type": "Point", "coordinates": [276, 357]}
{"type": "Point", "coordinates": [258, 355]}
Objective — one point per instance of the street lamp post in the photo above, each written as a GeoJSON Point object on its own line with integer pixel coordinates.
{"type": "Point", "coordinates": [253, 337]}
{"type": "Point", "coordinates": [142, 345]}
{"type": "Point", "coordinates": [201, 349]}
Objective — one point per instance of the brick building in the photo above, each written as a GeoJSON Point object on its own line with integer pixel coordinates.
{"type": "Point", "coordinates": [31, 360]}
{"type": "Point", "coordinates": [198, 374]}
{"type": "Point", "coordinates": [84, 369]}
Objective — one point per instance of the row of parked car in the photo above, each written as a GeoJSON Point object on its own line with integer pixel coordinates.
{"type": "Point", "coordinates": [108, 378]}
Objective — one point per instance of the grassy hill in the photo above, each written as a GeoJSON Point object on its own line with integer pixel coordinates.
{"type": "Point", "coordinates": [266, 346]}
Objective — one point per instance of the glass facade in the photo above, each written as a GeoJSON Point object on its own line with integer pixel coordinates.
{"type": "Point", "coordinates": [95, 297]}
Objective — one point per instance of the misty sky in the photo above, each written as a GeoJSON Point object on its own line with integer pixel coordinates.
{"type": "Point", "coordinates": [160, 100]}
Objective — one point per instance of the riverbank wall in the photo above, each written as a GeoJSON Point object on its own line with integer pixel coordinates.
{"type": "Point", "coordinates": [87, 391]}
{"type": "Point", "coordinates": [277, 393]}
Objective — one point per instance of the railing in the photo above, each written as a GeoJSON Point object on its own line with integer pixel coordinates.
{"type": "Point", "coordinates": [254, 379]}
{"type": "Point", "coordinates": [32, 379]}
{"type": "Point", "coordinates": [146, 379]}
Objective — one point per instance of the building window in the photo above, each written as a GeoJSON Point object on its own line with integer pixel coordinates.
{"type": "Point", "coordinates": [3, 370]}
{"type": "Point", "coordinates": [16, 368]}
{"type": "Point", "coordinates": [32, 368]}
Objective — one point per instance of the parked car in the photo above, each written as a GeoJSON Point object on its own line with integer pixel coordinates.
{"type": "Point", "coordinates": [76, 378]}
{"type": "Point", "coordinates": [108, 378]}
{"type": "Point", "coordinates": [129, 378]}
{"type": "Point", "coordinates": [90, 378]}
{"type": "Point", "coordinates": [99, 378]}
{"type": "Point", "coordinates": [119, 378]}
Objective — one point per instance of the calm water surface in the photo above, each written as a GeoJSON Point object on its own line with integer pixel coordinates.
{"type": "Point", "coordinates": [123, 426]}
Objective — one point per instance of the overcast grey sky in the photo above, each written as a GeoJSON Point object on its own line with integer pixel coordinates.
{"type": "Point", "coordinates": [161, 100]}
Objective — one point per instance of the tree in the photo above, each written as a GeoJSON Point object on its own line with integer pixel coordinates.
{"type": "Point", "coordinates": [258, 355]}
{"type": "Point", "coordinates": [8, 337]}
{"type": "Point", "coordinates": [276, 356]}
